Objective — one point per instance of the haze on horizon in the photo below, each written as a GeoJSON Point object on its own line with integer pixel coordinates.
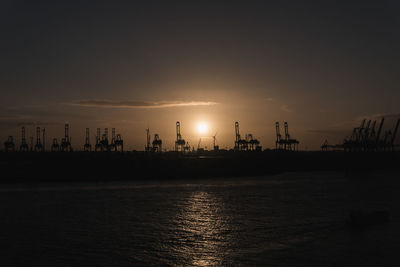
{"type": "Point", "coordinates": [320, 66]}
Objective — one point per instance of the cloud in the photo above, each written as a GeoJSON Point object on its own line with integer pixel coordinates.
{"type": "Point", "coordinates": [139, 104]}
{"type": "Point", "coordinates": [282, 107]}
{"type": "Point", "coordinates": [13, 117]}
{"type": "Point", "coordinates": [286, 108]}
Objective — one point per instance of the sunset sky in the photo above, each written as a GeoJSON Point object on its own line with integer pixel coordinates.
{"type": "Point", "coordinates": [138, 64]}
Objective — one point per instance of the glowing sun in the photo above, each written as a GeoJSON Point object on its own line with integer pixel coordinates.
{"type": "Point", "coordinates": [202, 128]}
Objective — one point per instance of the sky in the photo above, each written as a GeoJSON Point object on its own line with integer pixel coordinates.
{"type": "Point", "coordinates": [132, 65]}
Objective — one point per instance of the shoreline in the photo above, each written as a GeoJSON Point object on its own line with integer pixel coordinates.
{"type": "Point", "coordinates": [34, 167]}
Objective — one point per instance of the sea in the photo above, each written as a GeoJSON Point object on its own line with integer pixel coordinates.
{"type": "Point", "coordinates": [288, 219]}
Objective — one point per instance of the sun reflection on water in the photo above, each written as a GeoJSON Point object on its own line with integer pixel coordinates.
{"type": "Point", "coordinates": [202, 231]}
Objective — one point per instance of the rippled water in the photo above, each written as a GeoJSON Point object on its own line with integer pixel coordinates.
{"type": "Point", "coordinates": [295, 219]}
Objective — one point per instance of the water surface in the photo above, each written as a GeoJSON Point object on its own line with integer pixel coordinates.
{"type": "Point", "coordinates": [293, 219]}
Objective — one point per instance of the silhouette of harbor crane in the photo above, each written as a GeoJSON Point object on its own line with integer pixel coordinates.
{"type": "Point", "coordinates": [55, 147]}
{"type": "Point", "coordinates": [287, 143]}
{"type": "Point", "coordinates": [390, 137]}
{"type": "Point", "coordinates": [112, 145]}
{"type": "Point", "coordinates": [180, 144]}
{"type": "Point", "coordinates": [38, 145]}
{"type": "Point", "coordinates": [66, 141]}
{"type": "Point", "coordinates": [199, 149]}
{"type": "Point", "coordinates": [87, 146]}
{"type": "Point", "coordinates": [9, 145]}
{"type": "Point", "coordinates": [97, 146]}
{"type": "Point", "coordinates": [148, 148]}
{"type": "Point", "coordinates": [240, 144]}
{"type": "Point", "coordinates": [247, 144]}
{"type": "Point", "coordinates": [102, 142]}
{"type": "Point", "coordinates": [119, 143]}
{"type": "Point", "coordinates": [215, 146]}
{"type": "Point", "coordinates": [157, 143]}
{"type": "Point", "coordinates": [24, 146]}
{"type": "Point", "coordinates": [367, 138]}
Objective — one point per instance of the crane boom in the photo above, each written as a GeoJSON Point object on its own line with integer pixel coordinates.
{"type": "Point", "coordinates": [395, 131]}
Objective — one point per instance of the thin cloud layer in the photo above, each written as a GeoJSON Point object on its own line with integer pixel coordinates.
{"type": "Point", "coordinates": [286, 108]}
{"type": "Point", "coordinates": [282, 107]}
{"type": "Point", "coordinates": [140, 104]}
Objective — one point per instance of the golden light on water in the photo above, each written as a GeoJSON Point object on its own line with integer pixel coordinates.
{"type": "Point", "coordinates": [203, 223]}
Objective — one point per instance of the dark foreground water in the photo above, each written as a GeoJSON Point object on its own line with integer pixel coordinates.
{"type": "Point", "coordinates": [293, 219]}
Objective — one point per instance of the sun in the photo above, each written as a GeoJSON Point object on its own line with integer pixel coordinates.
{"type": "Point", "coordinates": [202, 128]}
